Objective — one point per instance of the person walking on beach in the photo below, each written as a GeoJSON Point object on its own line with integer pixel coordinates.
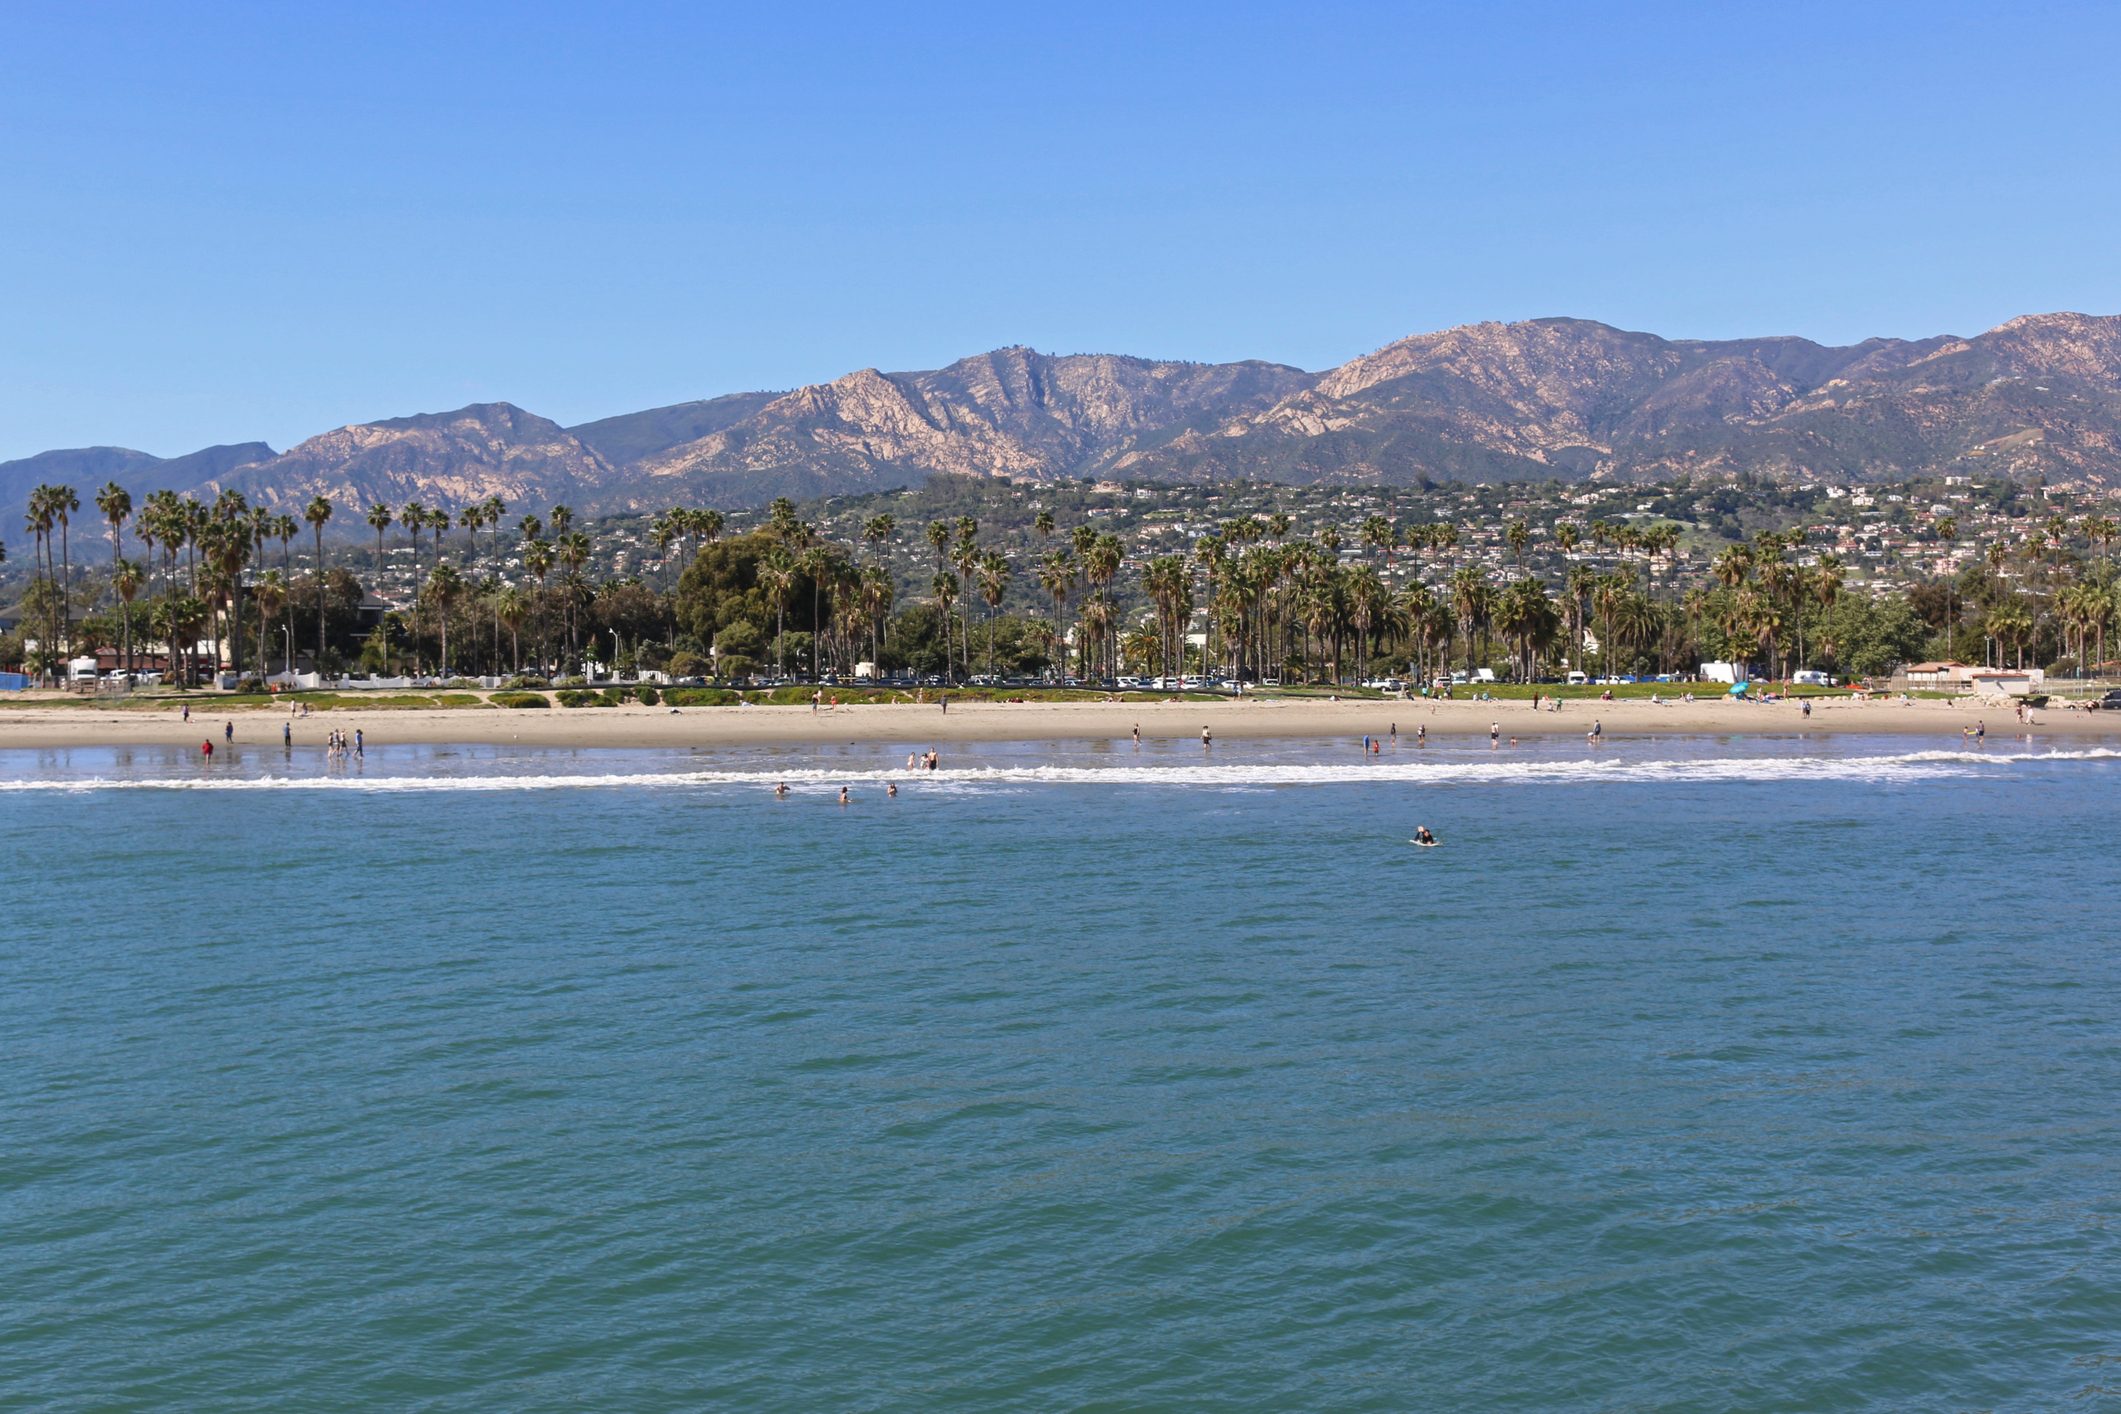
{"type": "Point", "coordinates": [360, 742]}
{"type": "Point", "coordinates": [187, 714]}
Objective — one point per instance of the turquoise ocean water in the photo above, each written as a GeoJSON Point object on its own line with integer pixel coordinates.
{"type": "Point", "coordinates": [1708, 1074]}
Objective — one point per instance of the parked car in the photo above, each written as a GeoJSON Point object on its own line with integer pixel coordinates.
{"type": "Point", "coordinates": [2108, 702]}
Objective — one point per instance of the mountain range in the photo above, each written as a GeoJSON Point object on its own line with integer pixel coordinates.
{"type": "Point", "coordinates": [1543, 398]}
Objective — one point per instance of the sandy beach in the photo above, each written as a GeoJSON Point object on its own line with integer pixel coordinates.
{"type": "Point", "coordinates": [46, 725]}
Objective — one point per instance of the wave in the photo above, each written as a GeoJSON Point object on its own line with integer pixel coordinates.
{"type": "Point", "coordinates": [1612, 769]}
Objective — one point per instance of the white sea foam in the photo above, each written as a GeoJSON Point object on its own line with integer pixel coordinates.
{"type": "Point", "coordinates": [1613, 768]}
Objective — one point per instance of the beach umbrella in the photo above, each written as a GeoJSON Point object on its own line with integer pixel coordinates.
{"type": "Point", "coordinates": [1738, 688]}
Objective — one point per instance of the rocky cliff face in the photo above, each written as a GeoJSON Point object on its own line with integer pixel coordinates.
{"type": "Point", "coordinates": [1543, 398]}
{"type": "Point", "coordinates": [1013, 412]}
{"type": "Point", "coordinates": [446, 459]}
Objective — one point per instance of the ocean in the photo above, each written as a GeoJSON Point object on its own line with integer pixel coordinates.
{"type": "Point", "coordinates": [1762, 1073]}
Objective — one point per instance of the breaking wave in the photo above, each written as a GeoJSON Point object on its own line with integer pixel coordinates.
{"type": "Point", "coordinates": [1612, 769]}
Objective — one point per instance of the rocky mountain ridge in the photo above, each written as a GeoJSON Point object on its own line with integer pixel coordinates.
{"type": "Point", "coordinates": [1560, 398]}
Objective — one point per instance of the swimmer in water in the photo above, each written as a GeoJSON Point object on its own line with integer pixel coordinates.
{"type": "Point", "coordinates": [843, 795]}
{"type": "Point", "coordinates": [780, 790]}
{"type": "Point", "coordinates": [891, 790]}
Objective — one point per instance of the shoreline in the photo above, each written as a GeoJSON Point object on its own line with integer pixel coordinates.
{"type": "Point", "coordinates": [638, 727]}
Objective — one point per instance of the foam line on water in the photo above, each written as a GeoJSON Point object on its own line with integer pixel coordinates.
{"type": "Point", "coordinates": [1613, 768]}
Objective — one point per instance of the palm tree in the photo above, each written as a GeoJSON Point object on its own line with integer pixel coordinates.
{"type": "Point", "coordinates": [271, 593]}
{"type": "Point", "coordinates": [379, 520]}
{"type": "Point", "coordinates": [116, 503]}
{"type": "Point", "coordinates": [64, 504]}
{"type": "Point", "coordinates": [1468, 603]}
{"type": "Point", "coordinates": [945, 588]}
{"type": "Point", "coordinates": [993, 584]}
{"type": "Point", "coordinates": [878, 529]}
{"type": "Point", "coordinates": [1042, 525]}
{"type": "Point", "coordinates": [1519, 535]}
{"type": "Point", "coordinates": [510, 608]}
{"type": "Point", "coordinates": [572, 551]}
{"type": "Point", "coordinates": [445, 586]}
{"type": "Point", "coordinates": [1056, 576]}
{"type": "Point", "coordinates": [317, 512]}
{"type": "Point", "coordinates": [777, 578]}
{"type": "Point", "coordinates": [126, 578]}
{"type": "Point", "coordinates": [538, 559]}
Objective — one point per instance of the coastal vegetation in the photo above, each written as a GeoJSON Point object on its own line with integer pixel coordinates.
{"type": "Point", "coordinates": [978, 584]}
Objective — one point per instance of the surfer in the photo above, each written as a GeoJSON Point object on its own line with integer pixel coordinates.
{"type": "Point", "coordinates": [1422, 836]}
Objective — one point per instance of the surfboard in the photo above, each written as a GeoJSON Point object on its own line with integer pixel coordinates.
{"type": "Point", "coordinates": [1425, 844]}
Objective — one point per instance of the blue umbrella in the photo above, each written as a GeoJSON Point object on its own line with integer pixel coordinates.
{"type": "Point", "coordinates": [1738, 688]}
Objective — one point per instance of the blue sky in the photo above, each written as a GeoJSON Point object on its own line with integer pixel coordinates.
{"type": "Point", "coordinates": [221, 222]}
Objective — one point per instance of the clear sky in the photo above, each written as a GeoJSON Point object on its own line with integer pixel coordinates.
{"type": "Point", "coordinates": [225, 222]}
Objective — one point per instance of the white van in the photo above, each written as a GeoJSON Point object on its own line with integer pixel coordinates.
{"type": "Point", "coordinates": [1578, 679]}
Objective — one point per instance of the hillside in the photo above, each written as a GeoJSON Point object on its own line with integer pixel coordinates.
{"type": "Point", "coordinates": [1563, 398]}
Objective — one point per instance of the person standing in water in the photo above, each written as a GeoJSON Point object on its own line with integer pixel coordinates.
{"type": "Point", "coordinates": [287, 735]}
{"type": "Point", "coordinates": [360, 743]}
{"type": "Point", "coordinates": [843, 795]}
{"type": "Point", "coordinates": [1597, 730]}
{"type": "Point", "coordinates": [228, 732]}
{"type": "Point", "coordinates": [1207, 738]}
{"type": "Point", "coordinates": [1137, 735]}
{"type": "Point", "coordinates": [1494, 734]}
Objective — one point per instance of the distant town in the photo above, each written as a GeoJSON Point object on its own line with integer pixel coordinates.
{"type": "Point", "coordinates": [964, 579]}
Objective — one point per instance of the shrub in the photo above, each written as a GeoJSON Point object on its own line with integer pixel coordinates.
{"type": "Point", "coordinates": [700, 697]}
{"type": "Point", "coordinates": [525, 680]}
{"type": "Point", "coordinates": [521, 699]}
{"type": "Point", "coordinates": [577, 697]}
{"type": "Point", "coordinates": [576, 681]}
{"type": "Point", "coordinates": [647, 695]}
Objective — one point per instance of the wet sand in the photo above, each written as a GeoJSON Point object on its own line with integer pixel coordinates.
{"type": "Point", "coordinates": [27, 726]}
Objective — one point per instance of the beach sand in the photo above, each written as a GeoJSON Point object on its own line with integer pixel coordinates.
{"type": "Point", "coordinates": [26, 725]}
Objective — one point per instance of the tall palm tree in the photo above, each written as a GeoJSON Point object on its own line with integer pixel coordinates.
{"type": "Point", "coordinates": [317, 512]}
{"type": "Point", "coordinates": [445, 587]}
{"type": "Point", "coordinates": [1056, 576]}
{"type": "Point", "coordinates": [510, 608]}
{"type": "Point", "coordinates": [270, 592]}
{"type": "Point", "coordinates": [116, 503]}
{"type": "Point", "coordinates": [777, 578]}
{"type": "Point", "coordinates": [538, 559]}
{"type": "Point", "coordinates": [945, 588]}
{"type": "Point", "coordinates": [993, 585]}
{"type": "Point", "coordinates": [126, 578]}
{"type": "Point", "coordinates": [379, 520]}
{"type": "Point", "coordinates": [572, 551]}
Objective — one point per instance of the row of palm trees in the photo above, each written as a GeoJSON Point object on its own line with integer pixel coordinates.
{"type": "Point", "coordinates": [1269, 602]}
